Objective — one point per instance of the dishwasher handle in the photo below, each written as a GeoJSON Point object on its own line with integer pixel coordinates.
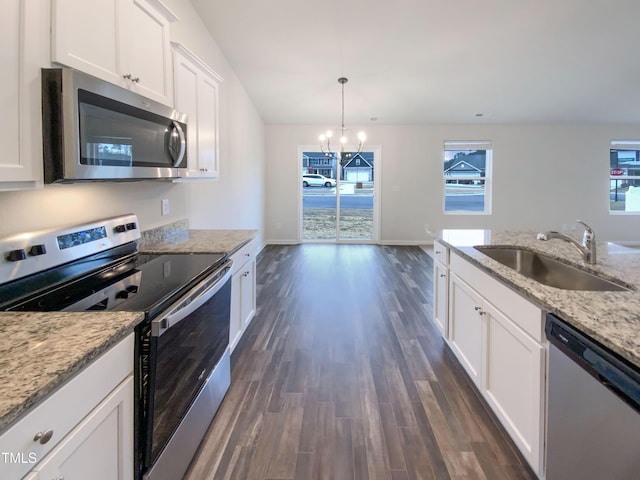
{"type": "Point", "coordinates": [612, 371]}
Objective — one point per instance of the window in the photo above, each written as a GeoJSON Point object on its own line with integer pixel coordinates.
{"type": "Point", "coordinates": [624, 177]}
{"type": "Point", "coordinates": [467, 177]}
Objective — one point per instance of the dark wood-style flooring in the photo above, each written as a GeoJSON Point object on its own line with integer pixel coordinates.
{"type": "Point", "coordinates": [341, 375]}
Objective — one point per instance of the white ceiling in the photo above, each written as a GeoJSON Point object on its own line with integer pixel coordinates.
{"type": "Point", "coordinates": [433, 61]}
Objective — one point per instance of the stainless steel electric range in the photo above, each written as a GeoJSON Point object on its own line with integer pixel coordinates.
{"type": "Point", "coordinates": [182, 347]}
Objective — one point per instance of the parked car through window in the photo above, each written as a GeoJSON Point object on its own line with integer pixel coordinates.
{"type": "Point", "coordinates": [313, 180]}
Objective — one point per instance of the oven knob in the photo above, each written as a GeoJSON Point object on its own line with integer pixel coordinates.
{"type": "Point", "coordinates": [120, 228]}
{"type": "Point", "coordinates": [132, 289]}
{"type": "Point", "coordinates": [16, 255]}
{"type": "Point", "coordinates": [36, 250]}
{"type": "Point", "coordinates": [122, 294]}
{"type": "Point", "coordinates": [131, 226]}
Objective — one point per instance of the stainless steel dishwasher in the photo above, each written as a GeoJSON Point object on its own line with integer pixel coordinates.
{"type": "Point", "coordinates": [593, 429]}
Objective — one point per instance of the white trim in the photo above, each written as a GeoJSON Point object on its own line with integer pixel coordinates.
{"type": "Point", "coordinates": [281, 242]}
{"type": "Point", "coordinates": [193, 58]}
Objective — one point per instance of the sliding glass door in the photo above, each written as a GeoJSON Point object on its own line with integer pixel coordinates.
{"type": "Point", "coordinates": [338, 198]}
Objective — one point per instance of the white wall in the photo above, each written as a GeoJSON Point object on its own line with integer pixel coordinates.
{"type": "Point", "coordinates": [233, 201]}
{"type": "Point", "coordinates": [544, 176]}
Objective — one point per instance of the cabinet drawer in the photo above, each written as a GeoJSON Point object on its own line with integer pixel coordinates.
{"type": "Point", "coordinates": [523, 313]}
{"type": "Point", "coordinates": [242, 256]}
{"type": "Point", "coordinates": [64, 409]}
{"type": "Point", "coordinates": [441, 253]}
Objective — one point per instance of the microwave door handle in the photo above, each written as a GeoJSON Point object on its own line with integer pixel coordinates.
{"type": "Point", "coordinates": [183, 144]}
{"type": "Point", "coordinates": [202, 293]}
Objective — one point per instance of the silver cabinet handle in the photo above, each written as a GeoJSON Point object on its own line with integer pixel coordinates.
{"type": "Point", "coordinates": [136, 80]}
{"type": "Point", "coordinates": [479, 310]}
{"type": "Point", "coordinates": [442, 275]}
{"type": "Point", "coordinates": [438, 252]}
{"type": "Point", "coordinates": [247, 254]}
{"type": "Point", "coordinates": [127, 76]}
{"type": "Point", "coordinates": [43, 437]}
{"type": "Point", "coordinates": [245, 274]}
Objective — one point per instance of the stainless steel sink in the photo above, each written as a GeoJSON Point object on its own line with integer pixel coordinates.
{"type": "Point", "coordinates": [548, 271]}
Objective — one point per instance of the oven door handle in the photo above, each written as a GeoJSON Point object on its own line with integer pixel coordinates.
{"type": "Point", "coordinates": [192, 300]}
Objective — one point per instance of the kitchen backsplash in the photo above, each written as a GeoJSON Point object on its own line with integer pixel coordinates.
{"type": "Point", "coordinates": [163, 232]}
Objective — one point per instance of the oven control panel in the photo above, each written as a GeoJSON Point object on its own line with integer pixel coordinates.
{"type": "Point", "coordinates": [27, 253]}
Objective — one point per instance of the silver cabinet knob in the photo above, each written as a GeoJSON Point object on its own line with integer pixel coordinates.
{"type": "Point", "coordinates": [245, 274]}
{"type": "Point", "coordinates": [43, 437]}
{"type": "Point", "coordinates": [247, 254]}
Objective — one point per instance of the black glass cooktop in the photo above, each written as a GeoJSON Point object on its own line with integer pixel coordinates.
{"type": "Point", "coordinates": [116, 280]}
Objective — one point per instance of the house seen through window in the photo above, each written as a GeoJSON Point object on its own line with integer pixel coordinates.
{"type": "Point", "coordinates": [467, 177]}
{"type": "Point", "coordinates": [624, 177]}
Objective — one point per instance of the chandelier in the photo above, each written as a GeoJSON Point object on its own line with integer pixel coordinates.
{"type": "Point", "coordinates": [325, 138]}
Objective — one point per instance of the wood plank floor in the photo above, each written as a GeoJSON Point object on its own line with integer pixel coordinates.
{"type": "Point", "coordinates": [341, 375]}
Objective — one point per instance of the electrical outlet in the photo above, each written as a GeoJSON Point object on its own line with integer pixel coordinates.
{"type": "Point", "coordinates": [165, 206]}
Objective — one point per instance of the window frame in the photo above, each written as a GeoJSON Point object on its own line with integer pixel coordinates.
{"type": "Point", "coordinates": [470, 145]}
{"type": "Point", "coordinates": [629, 145]}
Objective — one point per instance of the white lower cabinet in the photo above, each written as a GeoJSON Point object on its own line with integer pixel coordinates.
{"type": "Point", "coordinates": [466, 327]}
{"type": "Point", "coordinates": [514, 379]}
{"type": "Point", "coordinates": [101, 447]}
{"type": "Point", "coordinates": [83, 430]}
{"type": "Point", "coordinates": [497, 337]}
{"type": "Point", "coordinates": [440, 286]}
{"type": "Point", "coordinates": [243, 291]}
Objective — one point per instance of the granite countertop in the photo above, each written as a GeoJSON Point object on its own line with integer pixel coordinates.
{"type": "Point", "coordinates": [199, 241]}
{"type": "Point", "coordinates": [611, 318]}
{"type": "Point", "coordinates": [39, 352]}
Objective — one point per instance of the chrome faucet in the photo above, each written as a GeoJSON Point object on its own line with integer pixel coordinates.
{"type": "Point", "coordinates": [588, 246]}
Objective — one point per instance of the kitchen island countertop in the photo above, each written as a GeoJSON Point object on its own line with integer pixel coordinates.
{"type": "Point", "coordinates": [611, 318]}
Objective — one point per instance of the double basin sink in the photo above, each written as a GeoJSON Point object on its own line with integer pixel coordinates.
{"type": "Point", "coordinates": [549, 271]}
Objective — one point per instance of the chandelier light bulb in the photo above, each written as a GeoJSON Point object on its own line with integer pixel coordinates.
{"type": "Point", "coordinates": [325, 139]}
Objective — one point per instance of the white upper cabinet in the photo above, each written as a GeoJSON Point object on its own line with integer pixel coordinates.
{"type": "Point", "coordinates": [125, 42]}
{"type": "Point", "coordinates": [196, 94]}
{"type": "Point", "coordinates": [23, 35]}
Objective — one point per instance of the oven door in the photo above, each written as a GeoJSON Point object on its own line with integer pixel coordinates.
{"type": "Point", "coordinates": [187, 376]}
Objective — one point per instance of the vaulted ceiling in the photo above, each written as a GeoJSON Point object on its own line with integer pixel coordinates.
{"type": "Point", "coordinates": [433, 61]}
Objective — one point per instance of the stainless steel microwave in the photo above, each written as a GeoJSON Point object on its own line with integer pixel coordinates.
{"type": "Point", "coordinates": [96, 131]}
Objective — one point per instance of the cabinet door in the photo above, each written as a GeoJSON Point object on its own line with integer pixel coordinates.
{"type": "Point", "coordinates": [440, 297]}
{"type": "Point", "coordinates": [186, 101]}
{"type": "Point", "coordinates": [100, 447]}
{"type": "Point", "coordinates": [90, 44]}
{"type": "Point", "coordinates": [196, 94]}
{"type": "Point", "coordinates": [466, 327]}
{"type": "Point", "coordinates": [21, 36]}
{"type": "Point", "coordinates": [208, 126]}
{"type": "Point", "coordinates": [148, 52]}
{"type": "Point", "coordinates": [247, 292]}
{"type": "Point", "coordinates": [514, 383]}
{"type": "Point", "coordinates": [235, 329]}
